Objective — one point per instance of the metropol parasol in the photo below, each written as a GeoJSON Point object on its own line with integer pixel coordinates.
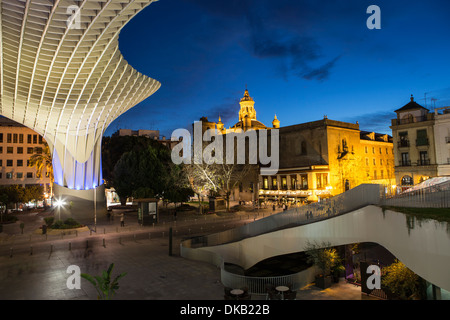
{"type": "Point", "coordinates": [62, 75]}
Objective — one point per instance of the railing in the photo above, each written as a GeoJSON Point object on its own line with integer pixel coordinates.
{"type": "Point", "coordinates": [405, 163]}
{"type": "Point", "coordinates": [258, 285]}
{"type": "Point", "coordinates": [358, 197]}
{"type": "Point", "coordinates": [437, 196]}
{"type": "Point", "coordinates": [403, 143]}
{"type": "Point", "coordinates": [423, 162]}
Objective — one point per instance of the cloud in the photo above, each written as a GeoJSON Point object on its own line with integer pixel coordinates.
{"type": "Point", "coordinates": [375, 121]}
{"type": "Point", "coordinates": [321, 73]}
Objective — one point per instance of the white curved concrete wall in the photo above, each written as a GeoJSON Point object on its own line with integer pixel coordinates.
{"type": "Point", "coordinates": [424, 249]}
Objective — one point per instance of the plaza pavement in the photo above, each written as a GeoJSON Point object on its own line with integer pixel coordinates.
{"type": "Point", "coordinates": [34, 267]}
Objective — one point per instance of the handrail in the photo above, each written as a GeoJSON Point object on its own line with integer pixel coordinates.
{"type": "Point", "coordinates": [353, 199]}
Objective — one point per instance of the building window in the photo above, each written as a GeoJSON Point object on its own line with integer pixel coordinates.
{"type": "Point", "coordinates": [381, 174]}
{"type": "Point", "coordinates": [29, 138]}
{"type": "Point", "coordinates": [366, 149]}
{"type": "Point", "coordinates": [21, 138]}
{"type": "Point", "coordinates": [35, 138]}
{"type": "Point", "coordinates": [9, 175]}
{"type": "Point", "coordinates": [293, 182]}
{"type": "Point", "coordinates": [9, 163]}
{"type": "Point", "coordinates": [1, 162]}
{"type": "Point", "coordinates": [424, 161]}
{"type": "Point", "coordinates": [29, 150]}
{"type": "Point", "coordinates": [1, 149]}
{"type": "Point", "coordinates": [386, 150]}
{"type": "Point", "coordinates": [274, 183]}
{"type": "Point", "coordinates": [19, 175]}
{"type": "Point", "coordinates": [8, 138]}
{"type": "Point", "coordinates": [405, 160]}
{"type": "Point", "coordinates": [9, 150]}
{"type": "Point", "coordinates": [422, 139]}
{"type": "Point", "coordinates": [15, 136]}
{"type": "Point", "coordinates": [367, 161]}
{"type": "Point", "coordinates": [304, 182]}
{"type": "Point", "coordinates": [403, 139]}
{"type": "Point", "coordinates": [29, 175]}
{"type": "Point", "coordinates": [374, 161]}
{"type": "Point", "coordinates": [20, 163]}
{"type": "Point", "coordinates": [283, 183]}
{"type": "Point", "coordinates": [40, 140]}
{"type": "Point", "coordinates": [373, 150]}
{"type": "Point", "coordinates": [19, 150]}
{"type": "Point", "coordinates": [375, 174]}
{"type": "Point", "coordinates": [265, 183]}
{"type": "Point", "coordinates": [321, 180]}
{"type": "Point", "coordinates": [1, 137]}
{"type": "Point", "coordinates": [303, 148]}
{"type": "Point", "coordinates": [381, 162]}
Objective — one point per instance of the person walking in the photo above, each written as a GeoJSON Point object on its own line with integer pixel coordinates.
{"type": "Point", "coordinates": [122, 220]}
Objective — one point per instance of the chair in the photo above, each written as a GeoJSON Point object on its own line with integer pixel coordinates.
{"type": "Point", "coordinates": [290, 295]}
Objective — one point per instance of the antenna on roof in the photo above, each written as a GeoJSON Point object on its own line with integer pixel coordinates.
{"type": "Point", "coordinates": [433, 101]}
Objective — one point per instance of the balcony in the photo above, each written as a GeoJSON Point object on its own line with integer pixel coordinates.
{"type": "Point", "coordinates": [403, 144]}
{"type": "Point", "coordinates": [396, 122]}
{"type": "Point", "coordinates": [405, 163]}
{"type": "Point", "coordinates": [423, 162]}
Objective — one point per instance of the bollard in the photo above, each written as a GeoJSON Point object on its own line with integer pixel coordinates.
{"type": "Point", "coordinates": [104, 244]}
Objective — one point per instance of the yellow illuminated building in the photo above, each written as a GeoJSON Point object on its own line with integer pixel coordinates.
{"type": "Point", "coordinates": [324, 158]}
{"type": "Point", "coordinates": [317, 159]}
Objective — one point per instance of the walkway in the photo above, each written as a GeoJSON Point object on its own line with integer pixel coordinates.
{"type": "Point", "coordinates": [40, 272]}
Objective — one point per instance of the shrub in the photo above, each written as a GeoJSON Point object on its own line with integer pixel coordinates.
{"type": "Point", "coordinates": [71, 222]}
{"type": "Point", "coordinates": [49, 221]}
{"type": "Point", "coordinates": [67, 224]}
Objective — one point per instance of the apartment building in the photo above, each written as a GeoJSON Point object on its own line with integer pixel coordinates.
{"type": "Point", "coordinates": [17, 144]}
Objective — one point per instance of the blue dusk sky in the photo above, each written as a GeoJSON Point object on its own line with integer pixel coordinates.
{"type": "Point", "coordinates": [300, 60]}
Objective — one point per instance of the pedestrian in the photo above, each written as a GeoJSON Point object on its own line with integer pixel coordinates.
{"type": "Point", "coordinates": [122, 220]}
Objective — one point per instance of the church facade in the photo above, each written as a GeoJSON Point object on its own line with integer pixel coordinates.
{"type": "Point", "coordinates": [317, 159]}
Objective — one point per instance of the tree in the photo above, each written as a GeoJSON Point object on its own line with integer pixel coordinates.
{"type": "Point", "coordinates": [43, 161]}
{"type": "Point", "coordinates": [148, 173]}
{"type": "Point", "coordinates": [324, 257]}
{"type": "Point", "coordinates": [217, 177]}
{"type": "Point", "coordinates": [400, 280]}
